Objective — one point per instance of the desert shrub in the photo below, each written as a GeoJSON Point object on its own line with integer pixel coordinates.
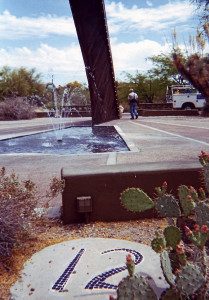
{"type": "Point", "coordinates": [17, 203]}
{"type": "Point", "coordinates": [18, 210]}
{"type": "Point", "coordinates": [16, 109]}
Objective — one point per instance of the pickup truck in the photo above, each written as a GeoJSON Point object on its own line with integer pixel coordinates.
{"type": "Point", "coordinates": [184, 97]}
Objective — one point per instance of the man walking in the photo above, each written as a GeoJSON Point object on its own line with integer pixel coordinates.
{"type": "Point", "coordinates": [133, 101]}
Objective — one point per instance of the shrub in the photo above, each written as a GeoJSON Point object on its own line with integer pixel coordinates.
{"type": "Point", "coordinates": [18, 212]}
{"type": "Point", "coordinates": [16, 109]}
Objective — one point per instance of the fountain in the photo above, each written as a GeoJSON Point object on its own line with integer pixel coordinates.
{"type": "Point", "coordinates": [62, 139]}
{"type": "Point", "coordinates": [60, 111]}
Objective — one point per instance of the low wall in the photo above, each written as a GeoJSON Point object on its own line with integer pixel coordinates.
{"type": "Point", "coordinates": [70, 111]}
{"type": "Point", "coordinates": [41, 114]}
{"type": "Point", "coordinates": [160, 106]}
{"type": "Point", "coordinates": [173, 112]}
{"type": "Point", "coordinates": [104, 185]}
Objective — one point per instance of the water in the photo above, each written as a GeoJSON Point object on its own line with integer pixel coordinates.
{"type": "Point", "coordinates": [60, 110]}
{"type": "Point", "coordinates": [75, 140]}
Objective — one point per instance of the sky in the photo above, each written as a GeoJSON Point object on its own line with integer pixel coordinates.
{"type": "Point", "coordinates": [41, 34]}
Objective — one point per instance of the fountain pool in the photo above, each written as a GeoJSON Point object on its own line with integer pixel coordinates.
{"type": "Point", "coordinates": [75, 140]}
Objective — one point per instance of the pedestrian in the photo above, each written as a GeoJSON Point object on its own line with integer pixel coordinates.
{"type": "Point", "coordinates": [133, 102]}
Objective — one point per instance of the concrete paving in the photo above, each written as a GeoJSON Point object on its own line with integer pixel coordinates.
{"type": "Point", "coordinates": [152, 140]}
{"type": "Point", "coordinates": [87, 269]}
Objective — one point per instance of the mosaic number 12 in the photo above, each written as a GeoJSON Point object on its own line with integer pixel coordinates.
{"type": "Point", "coordinates": [99, 281]}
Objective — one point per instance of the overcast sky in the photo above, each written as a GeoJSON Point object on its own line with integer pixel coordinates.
{"type": "Point", "coordinates": [41, 34]}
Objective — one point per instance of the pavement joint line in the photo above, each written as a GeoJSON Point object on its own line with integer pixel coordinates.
{"type": "Point", "coordinates": [112, 158]}
{"type": "Point", "coordinates": [170, 133]}
{"type": "Point", "coordinates": [130, 144]}
{"type": "Point", "coordinates": [181, 125]}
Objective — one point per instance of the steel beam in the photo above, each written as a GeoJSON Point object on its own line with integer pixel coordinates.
{"type": "Point", "coordinates": [91, 26]}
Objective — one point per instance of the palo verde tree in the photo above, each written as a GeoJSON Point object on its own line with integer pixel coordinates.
{"type": "Point", "coordinates": [150, 87]}
{"type": "Point", "coordinates": [165, 70]}
{"type": "Point", "coordinates": [78, 93]}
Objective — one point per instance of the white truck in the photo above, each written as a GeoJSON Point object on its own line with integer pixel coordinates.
{"type": "Point", "coordinates": [184, 97]}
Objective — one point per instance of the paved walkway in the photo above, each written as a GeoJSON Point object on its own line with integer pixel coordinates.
{"type": "Point", "coordinates": [170, 139]}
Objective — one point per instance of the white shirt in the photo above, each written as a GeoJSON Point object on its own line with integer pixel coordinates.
{"type": "Point", "coordinates": [132, 96]}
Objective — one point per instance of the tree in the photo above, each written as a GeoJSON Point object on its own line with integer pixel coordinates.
{"type": "Point", "coordinates": [149, 88]}
{"type": "Point", "coordinates": [20, 82]}
{"type": "Point", "coordinates": [196, 68]}
{"type": "Point", "coordinates": [78, 93]}
{"type": "Point", "coordinates": [165, 70]}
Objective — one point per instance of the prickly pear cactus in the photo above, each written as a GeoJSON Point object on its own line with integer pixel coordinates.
{"type": "Point", "coordinates": [206, 177]}
{"type": "Point", "coordinates": [167, 206]}
{"type": "Point", "coordinates": [135, 288]}
{"type": "Point", "coordinates": [135, 200]}
{"type": "Point", "coordinates": [183, 191]}
{"type": "Point", "coordinates": [202, 213]}
{"type": "Point", "coordinates": [166, 268]}
{"type": "Point", "coordinates": [158, 244]}
{"type": "Point", "coordinates": [172, 236]}
{"type": "Point", "coordinates": [186, 197]}
{"type": "Point", "coordinates": [171, 294]}
{"type": "Point", "coordinates": [189, 280]}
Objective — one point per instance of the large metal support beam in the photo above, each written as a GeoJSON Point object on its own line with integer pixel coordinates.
{"type": "Point", "coordinates": [91, 26]}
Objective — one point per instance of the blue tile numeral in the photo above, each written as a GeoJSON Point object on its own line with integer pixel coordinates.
{"type": "Point", "coordinates": [62, 280]}
{"type": "Point", "coordinates": [98, 282]}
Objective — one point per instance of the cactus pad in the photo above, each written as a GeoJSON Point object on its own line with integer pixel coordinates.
{"type": "Point", "coordinates": [183, 191]}
{"type": "Point", "coordinates": [167, 206]}
{"type": "Point", "coordinates": [189, 280]}
{"type": "Point", "coordinates": [202, 213]}
{"type": "Point", "coordinates": [170, 294]}
{"type": "Point", "coordinates": [136, 288]}
{"type": "Point", "coordinates": [158, 244]}
{"type": "Point", "coordinates": [166, 267]}
{"type": "Point", "coordinates": [187, 204]}
{"type": "Point", "coordinates": [172, 236]}
{"type": "Point", "coordinates": [206, 177]}
{"type": "Point", "coordinates": [135, 200]}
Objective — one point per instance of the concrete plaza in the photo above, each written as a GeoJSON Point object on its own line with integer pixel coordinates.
{"type": "Point", "coordinates": [152, 141]}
